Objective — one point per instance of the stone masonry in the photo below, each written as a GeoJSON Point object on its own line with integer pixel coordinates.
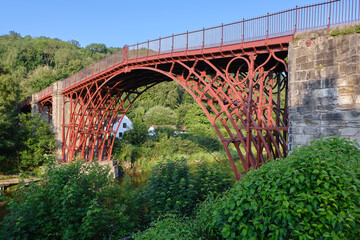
{"type": "Point", "coordinates": [324, 85]}
{"type": "Point", "coordinates": [57, 115]}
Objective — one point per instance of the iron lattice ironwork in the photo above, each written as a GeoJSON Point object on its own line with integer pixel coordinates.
{"type": "Point", "coordinates": [244, 97]}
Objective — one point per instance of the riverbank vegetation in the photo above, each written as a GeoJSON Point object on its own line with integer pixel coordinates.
{"type": "Point", "coordinates": [82, 201]}
{"type": "Point", "coordinates": [311, 194]}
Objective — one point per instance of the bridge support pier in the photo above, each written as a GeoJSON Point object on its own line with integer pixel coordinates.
{"type": "Point", "coordinates": [57, 117]}
{"type": "Point", "coordinates": [34, 104]}
{"type": "Point", "coordinates": [324, 85]}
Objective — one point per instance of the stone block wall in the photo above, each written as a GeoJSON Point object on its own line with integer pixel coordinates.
{"type": "Point", "coordinates": [324, 85]}
{"type": "Point", "coordinates": [57, 115]}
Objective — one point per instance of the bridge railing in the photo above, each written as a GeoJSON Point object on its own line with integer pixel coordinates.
{"type": "Point", "coordinates": [96, 68]}
{"type": "Point", "coordinates": [45, 92]}
{"type": "Point", "coordinates": [311, 17]}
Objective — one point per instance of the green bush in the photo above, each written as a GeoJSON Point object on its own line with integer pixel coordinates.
{"type": "Point", "coordinates": [137, 135]}
{"type": "Point", "coordinates": [73, 201]}
{"type": "Point", "coordinates": [37, 141]}
{"type": "Point", "coordinates": [172, 145]}
{"type": "Point", "coordinates": [172, 188]}
{"type": "Point", "coordinates": [168, 131]}
{"type": "Point", "coordinates": [170, 227]}
{"type": "Point", "coordinates": [160, 115]}
{"type": "Point", "coordinates": [312, 194]}
{"type": "Point", "coordinates": [210, 178]}
{"type": "Point", "coordinates": [169, 188]}
{"type": "Point", "coordinates": [134, 196]}
{"type": "Point", "coordinates": [208, 143]}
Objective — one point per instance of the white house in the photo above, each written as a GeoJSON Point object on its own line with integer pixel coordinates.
{"type": "Point", "coordinates": [125, 125]}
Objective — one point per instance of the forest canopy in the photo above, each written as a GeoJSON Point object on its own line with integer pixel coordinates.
{"type": "Point", "coordinates": [36, 63]}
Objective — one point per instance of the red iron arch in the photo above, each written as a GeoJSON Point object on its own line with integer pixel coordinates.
{"type": "Point", "coordinates": [243, 96]}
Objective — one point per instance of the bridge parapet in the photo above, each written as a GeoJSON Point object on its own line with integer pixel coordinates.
{"type": "Point", "coordinates": [324, 85]}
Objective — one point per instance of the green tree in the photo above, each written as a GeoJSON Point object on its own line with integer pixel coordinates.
{"type": "Point", "coordinates": [96, 47]}
{"type": "Point", "coordinates": [37, 141]}
{"type": "Point", "coordinates": [38, 62]}
{"type": "Point", "coordinates": [9, 96]}
{"type": "Point", "coordinates": [196, 121]}
{"type": "Point", "coordinates": [137, 135]}
{"type": "Point", "coordinates": [160, 115]}
{"type": "Point", "coordinates": [42, 77]}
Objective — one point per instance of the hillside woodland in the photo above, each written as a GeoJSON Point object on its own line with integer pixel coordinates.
{"type": "Point", "coordinates": [28, 65]}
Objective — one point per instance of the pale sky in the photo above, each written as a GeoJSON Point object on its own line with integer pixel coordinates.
{"type": "Point", "coordinates": [118, 22]}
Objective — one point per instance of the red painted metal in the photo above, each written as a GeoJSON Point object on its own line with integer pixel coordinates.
{"type": "Point", "coordinates": [45, 107]}
{"type": "Point", "coordinates": [236, 72]}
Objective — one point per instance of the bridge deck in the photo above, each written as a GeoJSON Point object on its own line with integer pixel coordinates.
{"type": "Point", "coordinates": [258, 33]}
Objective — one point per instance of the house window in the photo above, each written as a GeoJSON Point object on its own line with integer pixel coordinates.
{"type": "Point", "coordinates": [124, 125]}
{"type": "Point", "coordinates": [120, 134]}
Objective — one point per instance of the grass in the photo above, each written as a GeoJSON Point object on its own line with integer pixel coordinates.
{"type": "Point", "coordinates": [319, 67]}
{"type": "Point", "coordinates": [337, 32]}
{"type": "Point", "coordinates": [294, 40]}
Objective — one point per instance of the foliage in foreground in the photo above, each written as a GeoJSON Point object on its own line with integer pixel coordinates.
{"type": "Point", "coordinates": [26, 142]}
{"type": "Point", "coordinates": [172, 188]}
{"type": "Point", "coordinates": [170, 227]}
{"type": "Point", "coordinates": [312, 194]}
{"type": "Point", "coordinates": [74, 201]}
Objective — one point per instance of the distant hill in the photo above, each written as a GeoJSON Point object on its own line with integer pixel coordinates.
{"type": "Point", "coordinates": [36, 63]}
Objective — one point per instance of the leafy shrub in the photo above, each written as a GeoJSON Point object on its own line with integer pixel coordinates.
{"type": "Point", "coordinates": [74, 201]}
{"type": "Point", "coordinates": [137, 209]}
{"type": "Point", "coordinates": [208, 143]}
{"type": "Point", "coordinates": [170, 227]}
{"type": "Point", "coordinates": [137, 135]}
{"type": "Point", "coordinates": [312, 194]}
{"type": "Point", "coordinates": [171, 145]}
{"type": "Point", "coordinates": [169, 188]}
{"type": "Point", "coordinates": [168, 131]}
{"type": "Point", "coordinates": [209, 178]}
{"type": "Point", "coordinates": [160, 115]}
{"type": "Point", "coordinates": [173, 189]}
{"type": "Point", "coordinates": [37, 140]}
{"type": "Point", "coordinates": [204, 218]}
